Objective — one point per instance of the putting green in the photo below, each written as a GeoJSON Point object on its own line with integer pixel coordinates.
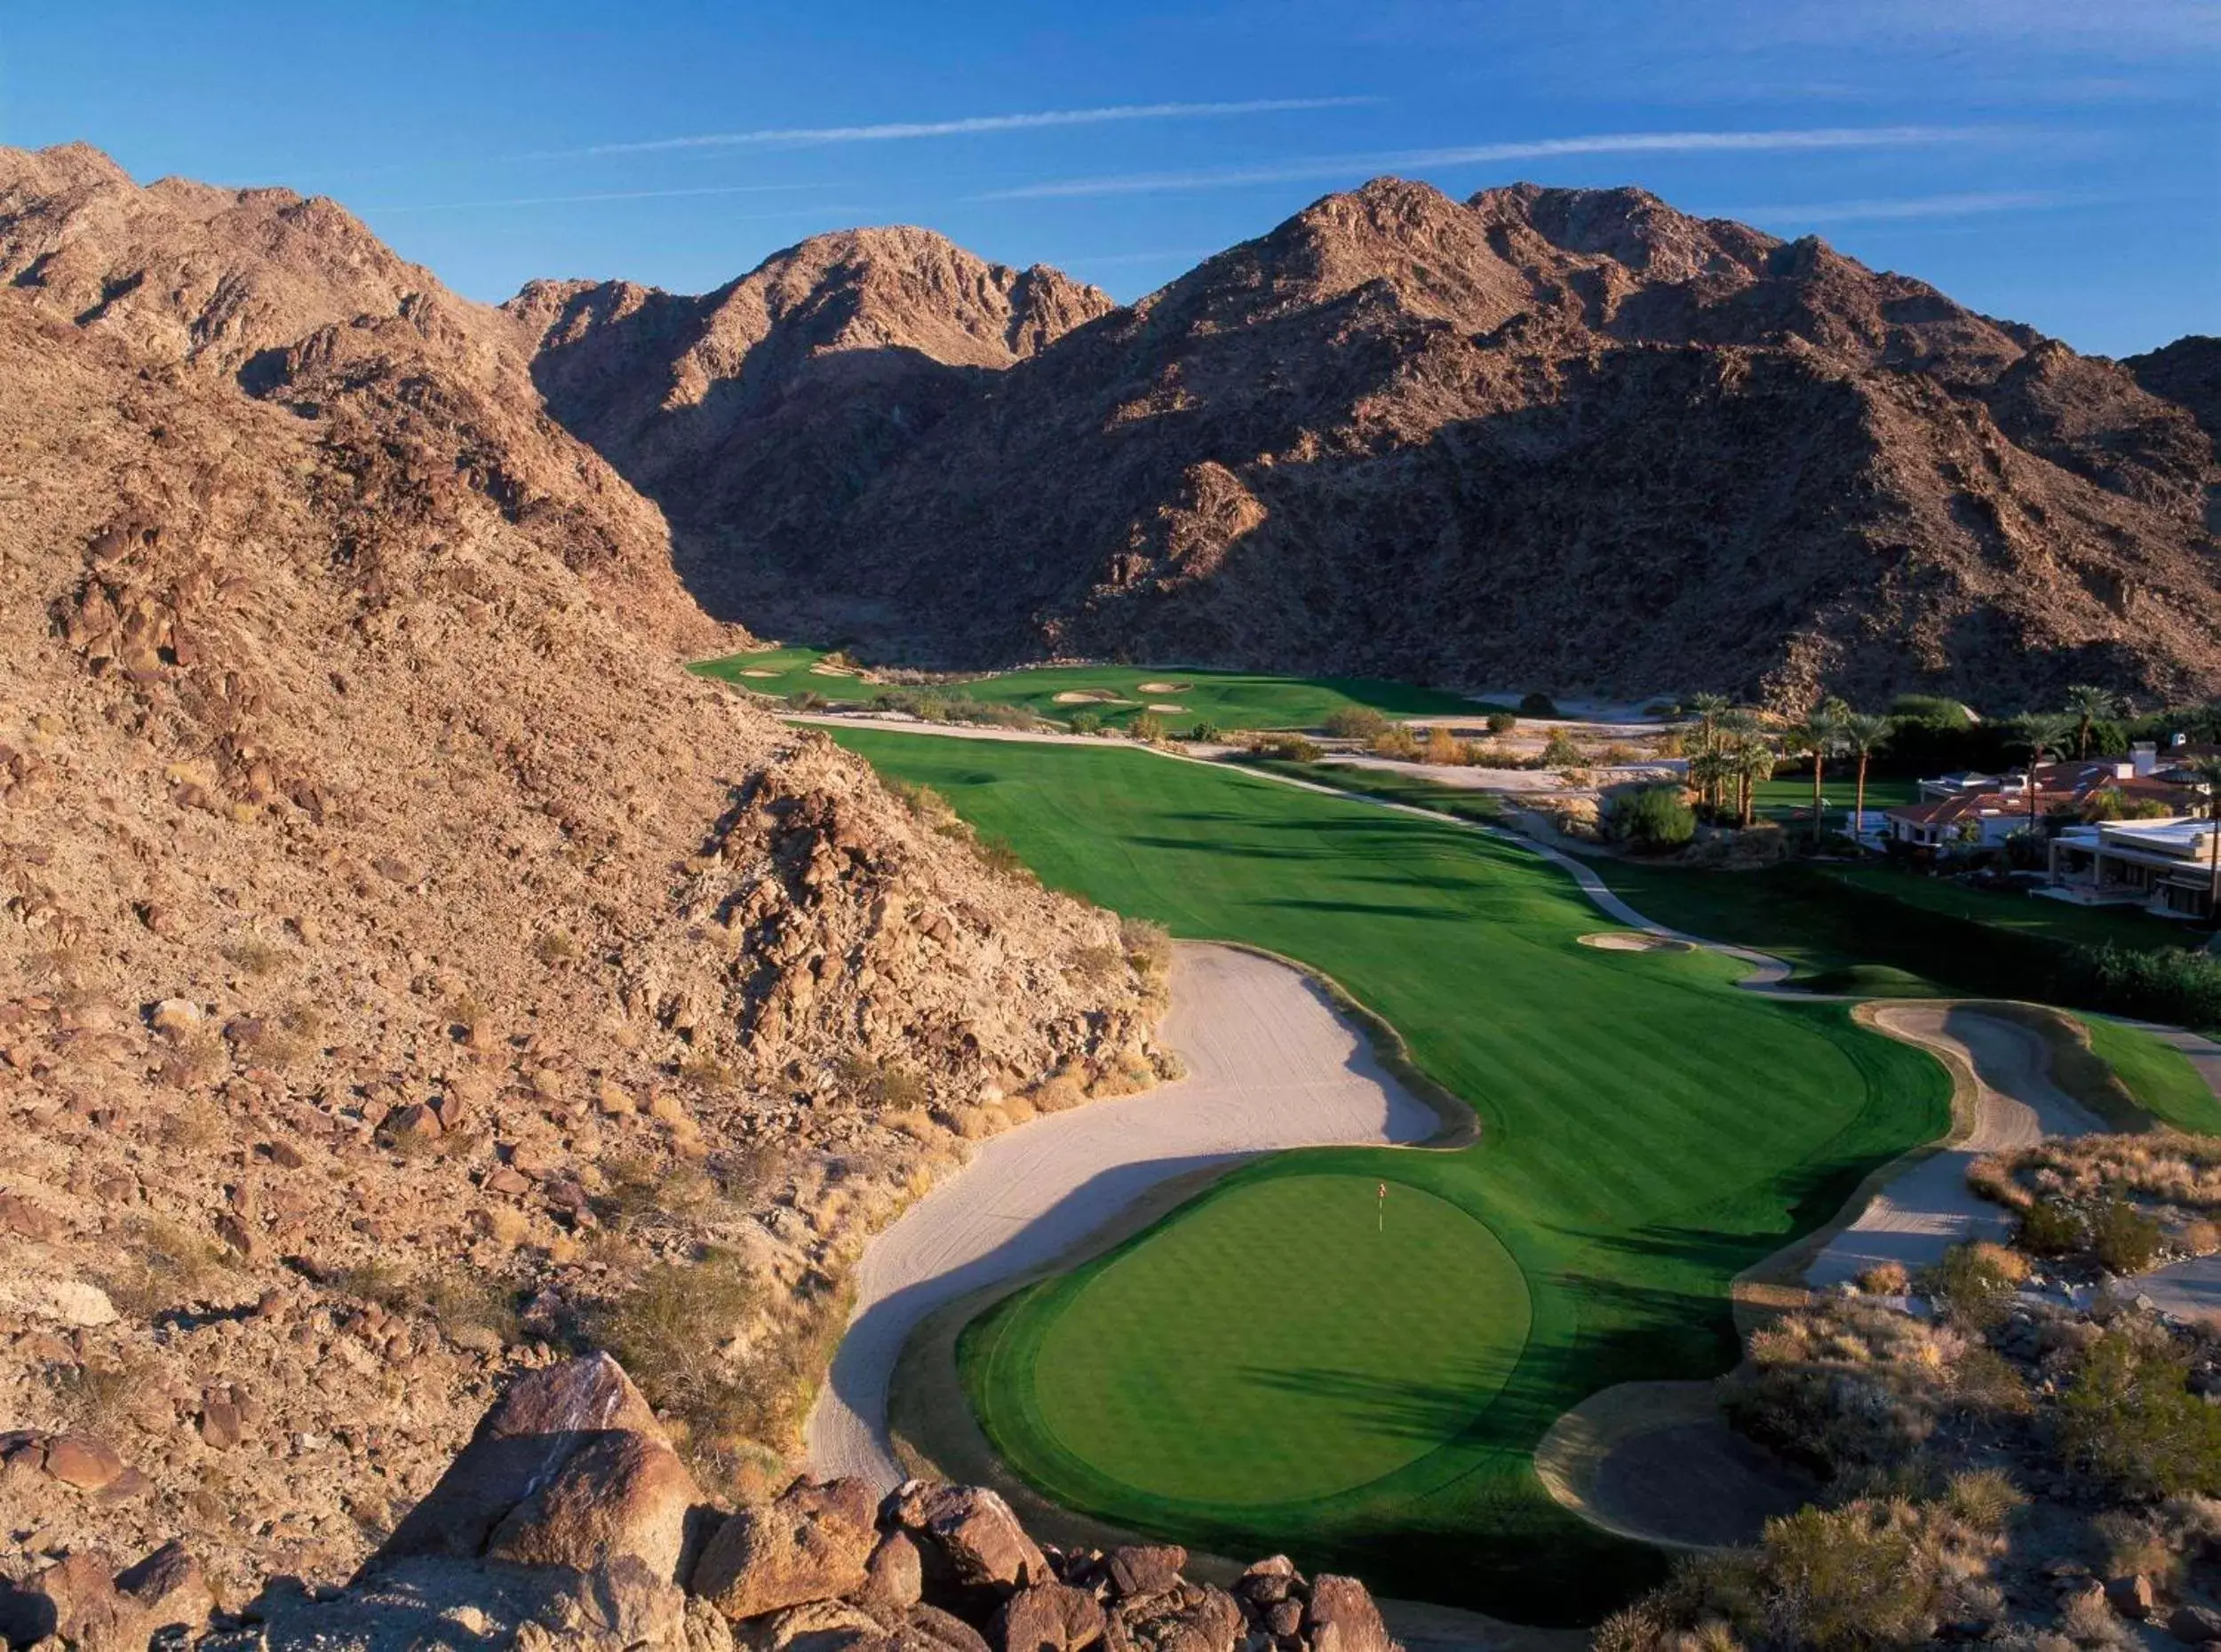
{"type": "Point", "coordinates": [1648, 1130]}
{"type": "Point", "coordinates": [1298, 1347]}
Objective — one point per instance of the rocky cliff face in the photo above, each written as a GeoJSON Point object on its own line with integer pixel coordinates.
{"type": "Point", "coordinates": [1549, 438]}
{"type": "Point", "coordinates": [402, 957]}
{"type": "Point", "coordinates": [756, 414]}
{"type": "Point", "coordinates": [569, 1520]}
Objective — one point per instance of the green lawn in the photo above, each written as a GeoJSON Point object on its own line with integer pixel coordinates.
{"type": "Point", "coordinates": [1324, 1390]}
{"type": "Point", "coordinates": [1392, 786]}
{"type": "Point", "coordinates": [1648, 1132]}
{"type": "Point", "coordinates": [2158, 1074]}
{"type": "Point", "coordinates": [1777, 799]}
{"type": "Point", "coordinates": [1230, 699]}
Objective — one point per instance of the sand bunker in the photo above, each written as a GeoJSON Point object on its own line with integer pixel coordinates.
{"type": "Point", "coordinates": [1090, 697]}
{"type": "Point", "coordinates": [822, 669]}
{"type": "Point", "coordinates": [1270, 1065]}
{"type": "Point", "coordinates": [1164, 687]}
{"type": "Point", "coordinates": [1634, 940]}
{"type": "Point", "coordinates": [1159, 705]}
{"type": "Point", "coordinates": [758, 672]}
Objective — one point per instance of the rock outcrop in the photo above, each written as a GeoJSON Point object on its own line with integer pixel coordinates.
{"type": "Point", "coordinates": [808, 1571]}
{"type": "Point", "coordinates": [1543, 438]}
{"type": "Point", "coordinates": [408, 970]}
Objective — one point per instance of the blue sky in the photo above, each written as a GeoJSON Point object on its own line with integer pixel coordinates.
{"type": "Point", "coordinates": [2053, 161]}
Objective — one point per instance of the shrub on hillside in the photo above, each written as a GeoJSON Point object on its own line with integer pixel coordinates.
{"type": "Point", "coordinates": [1357, 722]}
{"type": "Point", "coordinates": [1654, 819]}
{"type": "Point", "coordinates": [2123, 1238]}
{"type": "Point", "coordinates": [2129, 1421]}
{"type": "Point", "coordinates": [1290, 749]}
{"type": "Point", "coordinates": [1397, 741]}
{"type": "Point", "coordinates": [2164, 984]}
{"type": "Point", "coordinates": [1501, 723]}
{"type": "Point", "coordinates": [1442, 747]}
{"type": "Point", "coordinates": [1147, 727]}
{"type": "Point", "coordinates": [1563, 752]}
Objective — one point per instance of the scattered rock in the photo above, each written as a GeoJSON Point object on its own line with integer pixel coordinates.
{"type": "Point", "coordinates": [969, 1538]}
{"type": "Point", "coordinates": [2132, 1596]}
{"type": "Point", "coordinates": [83, 1461]}
{"type": "Point", "coordinates": [1049, 1618]}
{"type": "Point", "coordinates": [813, 1543]}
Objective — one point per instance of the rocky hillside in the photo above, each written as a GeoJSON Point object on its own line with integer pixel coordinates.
{"type": "Point", "coordinates": [1552, 439]}
{"type": "Point", "coordinates": [568, 1521]}
{"type": "Point", "coordinates": [756, 413]}
{"type": "Point", "coordinates": [404, 964]}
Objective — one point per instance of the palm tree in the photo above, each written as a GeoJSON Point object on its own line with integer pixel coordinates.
{"type": "Point", "coordinates": [2208, 771]}
{"type": "Point", "coordinates": [2042, 733]}
{"type": "Point", "coordinates": [1751, 756]}
{"type": "Point", "coordinates": [1863, 734]}
{"type": "Point", "coordinates": [1707, 709]}
{"type": "Point", "coordinates": [1818, 738]}
{"type": "Point", "coordinates": [2087, 703]}
{"type": "Point", "coordinates": [1707, 772]}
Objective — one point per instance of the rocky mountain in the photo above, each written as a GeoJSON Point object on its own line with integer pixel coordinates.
{"type": "Point", "coordinates": [2187, 373]}
{"type": "Point", "coordinates": [760, 411]}
{"type": "Point", "coordinates": [406, 968]}
{"type": "Point", "coordinates": [1546, 438]}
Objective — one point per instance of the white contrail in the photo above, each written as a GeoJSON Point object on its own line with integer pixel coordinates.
{"type": "Point", "coordinates": [620, 194]}
{"type": "Point", "coordinates": [1896, 207]}
{"type": "Point", "coordinates": [962, 126]}
{"type": "Point", "coordinates": [1525, 149]}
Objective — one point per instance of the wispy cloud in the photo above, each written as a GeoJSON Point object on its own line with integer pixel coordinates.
{"type": "Point", "coordinates": [959, 127]}
{"type": "Point", "coordinates": [1904, 207]}
{"type": "Point", "coordinates": [617, 194]}
{"type": "Point", "coordinates": [1527, 149]}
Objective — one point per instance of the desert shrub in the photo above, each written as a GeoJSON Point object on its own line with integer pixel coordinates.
{"type": "Point", "coordinates": [1442, 747]}
{"type": "Point", "coordinates": [666, 1325]}
{"type": "Point", "coordinates": [1931, 708]}
{"type": "Point", "coordinates": [2129, 1421]}
{"type": "Point", "coordinates": [2049, 1229]}
{"type": "Point", "coordinates": [806, 700]}
{"type": "Point", "coordinates": [1098, 965]}
{"type": "Point", "coordinates": [168, 1264]}
{"type": "Point", "coordinates": [991, 713]}
{"type": "Point", "coordinates": [1501, 723]}
{"type": "Point", "coordinates": [1290, 749]}
{"type": "Point", "coordinates": [552, 947]}
{"type": "Point", "coordinates": [253, 955]}
{"type": "Point", "coordinates": [879, 1086]}
{"type": "Point", "coordinates": [2164, 984]}
{"type": "Point", "coordinates": [2123, 1238]}
{"type": "Point", "coordinates": [1148, 945]}
{"type": "Point", "coordinates": [1619, 754]}
{"type": "Point", "coordinates": [464, 1299]}
{"type": "Point", "coordinates": [1208, 732]}
{"type": "Point", "coordinates": [1652, 819]}
{"type": "Point", "coordinates": [1538, 705]}
{"type": "Point", "coordinates": [1147, 727]}
{"type": "Point", "coordinates": [1479, 755]}
{"type": "Point", "coordinates": [1398, 743]}
{"type": "Point", "coordinates": [1357, 722]}
{"type": "Point", "coordinates": [1087, 722]}
{"type": "Point", "coordinates": [637, 1188]}
{"type": "Point", "coordinates": [1975, 1282]}
{"type": "Point", "coordinates": [1562, 751]}
{"type": "Point", "coordinates": [997, 855]}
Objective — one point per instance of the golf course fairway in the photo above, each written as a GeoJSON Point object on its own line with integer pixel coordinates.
{"type": "Point", "coordinates": [1648, 1132]}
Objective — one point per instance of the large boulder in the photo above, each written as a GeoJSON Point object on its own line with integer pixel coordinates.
{"type": "Point", "coordinates": [1049, 1617]}
{"type": "Point", "coordinates": [78, 1601]}
{"type": "Point", "coordinates": [570, 1468]}
{"type": "Point", "coordinates": [1193, 1617]}
{"type": "Point", "coordinates": [1342, 1617]}
{"type": "Point", "coordinates": [1140, 1569]}
{"type": "Point", "coordinates": [814, 1543]}
{"type": "Point", "coordinates": [968, 1541]}
{"type": "Point", "coordinates": [894, 1578]}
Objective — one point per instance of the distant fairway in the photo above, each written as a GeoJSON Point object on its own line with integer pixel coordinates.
{"type": "Point", "coordinates": [1649, 1130]}
{"type": "Point", "coordinates": [1116, 693]}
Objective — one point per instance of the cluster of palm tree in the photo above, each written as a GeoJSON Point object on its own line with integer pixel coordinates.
{"type": "Point", "coordinates": [1737, 748]}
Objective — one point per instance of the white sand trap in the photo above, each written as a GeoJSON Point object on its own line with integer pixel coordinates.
{"type": "Point", "coordinates": [758, 671]}
{"type": "Point", "coordinates": [820, 669]}
{"type": "Point", "coordinates": [1269, 1066]}
{"type": "Point", "coordinates": [1159, 705]}
{"type": "Point", "coordinates": [1923, 1212]}
{"type": "Point", "coordinates": [1090, 697]}
{"type": "Point", "coordinates": [1634, 940]}
{"type": "Point", "coordinates": [1164, 687]}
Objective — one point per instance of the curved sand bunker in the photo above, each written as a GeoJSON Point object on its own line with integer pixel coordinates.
{"type": "Point", "coordinates": [1090, 697]}
{"type": "Point", "coordinates": [1164, 687]}
{"type": "Point", "coordinates": [1635, 940]}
